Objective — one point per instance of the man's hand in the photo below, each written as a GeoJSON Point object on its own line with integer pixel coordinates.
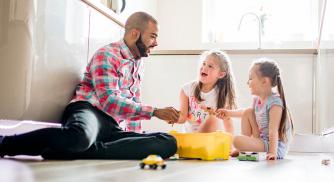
{"type": "Point", "coordinates": [169, 114]}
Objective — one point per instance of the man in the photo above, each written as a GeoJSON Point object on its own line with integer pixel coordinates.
{"type": "Point", "coordinates": [108, 94]}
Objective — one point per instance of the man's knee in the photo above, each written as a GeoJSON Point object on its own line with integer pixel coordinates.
{"type": "Point", "coordinates": [168, 145]}
{"type": "Point", "coordinates": [79, 139]}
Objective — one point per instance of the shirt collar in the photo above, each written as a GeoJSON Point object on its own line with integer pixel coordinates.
{"type": "Point", "coordinates": [125, 51]}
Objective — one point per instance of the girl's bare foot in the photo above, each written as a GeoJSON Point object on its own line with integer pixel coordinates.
{"type": "Point", "coordinates": [234, 153]}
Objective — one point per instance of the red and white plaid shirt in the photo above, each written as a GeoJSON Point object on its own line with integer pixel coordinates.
{"type": "Point", "coordinates": [112, 84]}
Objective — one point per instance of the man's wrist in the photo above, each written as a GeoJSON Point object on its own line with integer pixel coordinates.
{"type": "Point", "coordinates": [154, 111]}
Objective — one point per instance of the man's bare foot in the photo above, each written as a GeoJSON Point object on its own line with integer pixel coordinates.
{"type": "Point", "coordinates": [234, 153]}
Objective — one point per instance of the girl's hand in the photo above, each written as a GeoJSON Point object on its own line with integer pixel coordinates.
{"type": "Point", "coordinates": [222, 114]}
{"type": "Point", "coordinates": [271, 156]}
{"type": "Point", "coordinates": [183, 118]}
{"type": "Point", "coordinates": [209, 110]}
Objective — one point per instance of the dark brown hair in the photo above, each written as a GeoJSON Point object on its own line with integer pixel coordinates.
{"type": "Point", "coordinates": [269, 68]}
{"type": "Point", "coordinates": [225, 85]}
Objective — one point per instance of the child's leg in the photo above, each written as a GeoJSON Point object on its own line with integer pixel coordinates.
{"type": "Point", "coordinates": [210, 125]}
{"type": "Point", "coordinates": [249, 128]}
{"type": "Point", "coordinates": [228, 125]}
{"type": "Point", "coordinates": [246, 143]}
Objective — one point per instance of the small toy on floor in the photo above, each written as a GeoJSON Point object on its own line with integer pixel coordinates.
{"type": "Point", "coordinates": [153, 161]}
{"type": "Point", "coordinates": [252, 156]}
{"type": "Point", "coordinates": [326, 162]}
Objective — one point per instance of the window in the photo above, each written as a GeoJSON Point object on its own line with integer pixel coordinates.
{"type": "Point", "coordinates": [293, 21]}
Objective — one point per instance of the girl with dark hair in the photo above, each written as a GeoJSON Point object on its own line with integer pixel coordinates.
{"type": "Point", "coordinates": [267, 125]}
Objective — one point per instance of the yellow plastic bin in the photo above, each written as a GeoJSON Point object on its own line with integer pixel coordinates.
{"type": "Point", "coordinates": [205, 146]}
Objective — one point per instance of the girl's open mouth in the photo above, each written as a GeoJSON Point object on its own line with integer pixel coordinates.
{"type": "Point", "coordinates": [204, 74]}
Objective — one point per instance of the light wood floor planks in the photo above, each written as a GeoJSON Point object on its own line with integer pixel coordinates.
{"type": "Point", "coordinates": [296, 167]}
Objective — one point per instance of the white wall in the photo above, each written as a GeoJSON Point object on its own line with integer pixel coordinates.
{"type": "Point", "coordinates": [180, 24]}
{"type": "Point", "coordinates": [149, 6]}
{"type": "Point", "coordinates": [164, 76]}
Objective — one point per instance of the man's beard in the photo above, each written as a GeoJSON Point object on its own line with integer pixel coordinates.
{"type": "Point", "coordinates": [141, 47]}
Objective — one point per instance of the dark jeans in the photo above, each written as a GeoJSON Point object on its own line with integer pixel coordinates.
{"type": "Point", "coordinates": [88, 133]}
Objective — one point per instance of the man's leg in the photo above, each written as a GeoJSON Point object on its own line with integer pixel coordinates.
{"type": "Point", "coordinates": [114, 143]}
{"type": "Point", "coordinates": [130, 145]}
{"type": "Point", "coordinates": [125, 145]}
{"type": "Point", "coordinates": [78, 133]}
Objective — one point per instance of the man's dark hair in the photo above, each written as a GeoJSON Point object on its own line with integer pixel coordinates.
{"type": "Point", "coordinates": [139, 20]}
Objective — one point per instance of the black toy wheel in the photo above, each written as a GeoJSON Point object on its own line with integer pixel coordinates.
{"type": "Point", "coordinates": [153, 166]}
{"type": "Point", "coordinates": [163, 166]}
{"type": "Point", "coordinates": [142, 165]}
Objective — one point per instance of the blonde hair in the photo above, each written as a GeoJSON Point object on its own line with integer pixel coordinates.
{"type": "Point", "coordinates": [270, 69]}
{"type": "Point", "coordinates": [226, 93]}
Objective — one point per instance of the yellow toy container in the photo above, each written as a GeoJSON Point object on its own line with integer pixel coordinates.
{"type": "Point", "coordinates": [205, 146]}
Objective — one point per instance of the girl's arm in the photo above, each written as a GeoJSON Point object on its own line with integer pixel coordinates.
{"type": "Point", "coordinates": [184, 107]}
{"type": "Point", "coordinates": [275, 114]}
{"type": "Point", "coordinates": [236, 113]}
{"type": "Point", "coordinates": [225, 113]}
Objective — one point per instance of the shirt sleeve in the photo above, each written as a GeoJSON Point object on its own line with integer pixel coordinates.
{"type": "Point", "coordinates": [105, 82]}
{"type": "Point", "coordinates": [275, 100]}
{"type": "Point", "coordinates": [188, 88]}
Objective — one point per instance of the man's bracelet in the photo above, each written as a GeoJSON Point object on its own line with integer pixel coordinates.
{"type": "Point", "coordinates": [154, 110]}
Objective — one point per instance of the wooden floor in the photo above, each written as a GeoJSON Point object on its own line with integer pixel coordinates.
{"type": "Point", "coordinates": [296, 167]}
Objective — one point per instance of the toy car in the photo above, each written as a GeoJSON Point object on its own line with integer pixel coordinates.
{"type": "Point", "coordinates": [153, 161]}
{"type": "Point", "coordinates": [251, 156]}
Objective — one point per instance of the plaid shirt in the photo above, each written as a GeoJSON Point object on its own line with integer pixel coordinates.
{"type": "Point", "coordinates": [112, 84]}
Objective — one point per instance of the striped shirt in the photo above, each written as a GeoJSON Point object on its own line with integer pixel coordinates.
{"type": "Point", "coordinates": [111, 83]}
{"type": "Point", "coordinates": [262, 115]}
